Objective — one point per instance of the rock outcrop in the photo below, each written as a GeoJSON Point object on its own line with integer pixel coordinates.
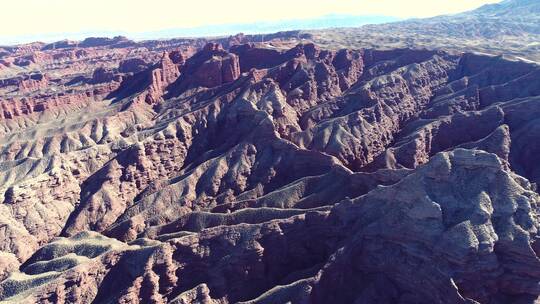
{"type": "Point", "coordinates": [209, 68]}
{"type": "Point", "coordinates": [133, 65]}
{"type": "Point", "coordinates": [457, 234]}
{"type": "Point", "coordinates": [153, 173]}
{"type": "Point", "coordinates": [102, 75]}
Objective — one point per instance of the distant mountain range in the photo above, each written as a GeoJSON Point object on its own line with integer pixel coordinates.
{"type": "Point", "coordinates": [509, 8]}
{"type": "Point", "coordinates": [510, 27]}
{"type": "Point", "coordinates": [327, 21]}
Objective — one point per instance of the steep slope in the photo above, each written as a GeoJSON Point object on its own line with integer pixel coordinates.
{"type": "Point", "coordinates": [271, 175]}
{"type": "Point", "coordinates": [458, 230]}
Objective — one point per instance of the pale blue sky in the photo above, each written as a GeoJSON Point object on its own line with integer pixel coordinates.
{"type": "Point", "coordinates": [48, 18]}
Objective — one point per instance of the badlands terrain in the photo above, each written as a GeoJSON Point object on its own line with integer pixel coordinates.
{"type": "Point", "coordinates": [231, 170]}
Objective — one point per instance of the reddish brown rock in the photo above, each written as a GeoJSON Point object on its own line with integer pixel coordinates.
{"type": "Point", "coordinates": [34, 82]}
{"type": "Point", "coordinates": [33, 58]}
{"type": "Point", "coordinates": [165, 73]}
{"type": "Point", "coordinates": [255, 57]}
{"type": "Point", "coordinates": [177, 57]}
{"type": "Point", "coordinates": [133, 65]}
{"type": "Point", "coordinates": [118, 41]}
{"type": "Point", "coordinates": [102, 75]}
{"type": "Point", "coordinates": [75, 54]}
{"type": "Point", "coordinates": [266, 174]}
{"type": "Point", "coordinates": [209, 68]}
{"type": "Point", "coordinates": [215, 72]}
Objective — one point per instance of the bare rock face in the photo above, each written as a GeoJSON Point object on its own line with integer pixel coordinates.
{"type": "Point", "coordinates": [27, 83]}
{"type": "Point", "coordinates": [253, 57]}
{"type": "Point", "coordinates": [33, 58]}
{"type": "Point", "coordinates": [211, 67]}
{"type": "Point", "coordinates": [184, 172]}
{"type": "Point", "coordinates": [464, 234]}
{"type": "Point", "coordinates": [498, 142]}
{"type": "Point", "coordinates": [33, 83]}
{"type": "Point", "coordinates": [444, 133]}
{"type": "Point", "coordinates": [8, 264]}
{"type": "Point", "coordinates": [459, 227]}
{"type": "Point", "coordinates": [133, 65]}
{"type": "Point", "coordinates": [150, 84]}
{"type": "Point", "coordinates": [118, 41]}
{"type": "Point", "coordinates": [165, 73]}
{"type": "Point", "coordinates": [101, 75]}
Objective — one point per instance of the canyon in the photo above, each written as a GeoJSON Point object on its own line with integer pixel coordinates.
{"type": "Point", "coordinates": [230, 170]}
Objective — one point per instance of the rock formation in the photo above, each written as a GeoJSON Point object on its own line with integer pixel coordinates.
{"type": "Point", "coordinates": [150, 173]}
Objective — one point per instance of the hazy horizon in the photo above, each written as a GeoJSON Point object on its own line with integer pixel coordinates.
{"type": "Point", "coordinates": [213, 30]}
{"type": "Point", "coordinates": [75, 19]}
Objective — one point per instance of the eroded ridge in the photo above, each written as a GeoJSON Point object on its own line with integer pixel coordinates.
{"type": "Point", "coordinates": [266, 174]}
